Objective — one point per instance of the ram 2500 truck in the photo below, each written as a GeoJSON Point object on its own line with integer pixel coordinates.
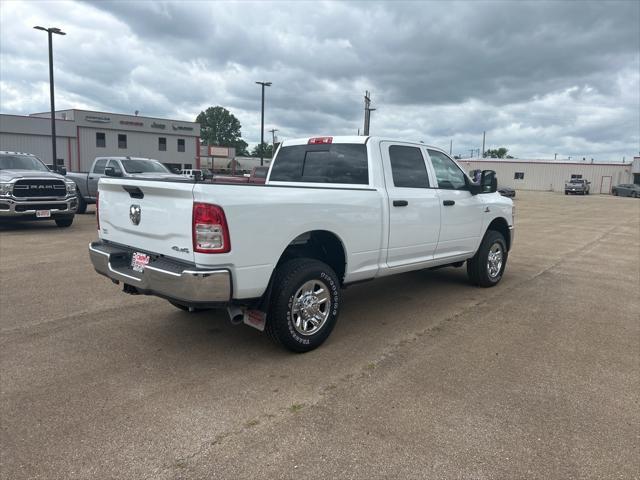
{"type": "Point", "coordinates": [30, 191]}
{"type": "Point", "coordinates": [333, 211]}
{"type": "Point", "coordinates": [115, 167]}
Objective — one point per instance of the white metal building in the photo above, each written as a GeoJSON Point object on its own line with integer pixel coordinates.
{"type": "Point", "coordinates": [82, 135]}
{"type": "Point", "coordinates": [551, 175]}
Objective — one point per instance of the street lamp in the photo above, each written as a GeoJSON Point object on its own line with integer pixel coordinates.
{"type": "Point", "coordinates": [50, 31]}
{"type": "Point", "coordinates": [264, 84]}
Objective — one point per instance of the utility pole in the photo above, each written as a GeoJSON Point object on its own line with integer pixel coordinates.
{"type": "Point", "coordinates": [483, 137]}
{"type": "Point", "coordinates": [273, 141]}
{"type": "Point", "coordinates": [367, 111]}
{"type": "Point", "coordinates": [50, 31]}
{"type": "Point", "coordinates": [264, 84]}
{"type": "Point", "coordinates": [472, 150]}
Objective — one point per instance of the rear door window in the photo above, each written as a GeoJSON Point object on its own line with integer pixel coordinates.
{"type": "Point", "coordinates": [342, 163]}
{"type": "Point", "coordinates": [408, 167]}
{"type": "Point", "coordinates": [99, 166]}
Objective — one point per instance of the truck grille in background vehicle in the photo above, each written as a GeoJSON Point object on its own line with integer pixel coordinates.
{"type": "Point", "coordinates": [39, 188]}
{"type": "Point", "coordinates": [41, 206]}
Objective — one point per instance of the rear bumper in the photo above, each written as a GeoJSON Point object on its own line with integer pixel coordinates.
{"type": "Point", "coordinates": [177, 281]}
{"type": "Point", "coordinates": [10, 207]}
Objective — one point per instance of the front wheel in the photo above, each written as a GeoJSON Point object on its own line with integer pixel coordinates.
{"type": "Point", "coordinates": [304, 305]}
{"type": "Point", "coordinates": [82, 204]}
{"type": "Point", "coordinates": [64, 221]}
{"type": "Point", "coordinates": [486, 267]}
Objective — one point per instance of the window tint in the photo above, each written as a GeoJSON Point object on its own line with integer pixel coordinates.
{"type": "Point", "coordinates": [407, 167]}
{"type": "Point", "coordinates": [335, 163]}
{"type": "Point", "coordinates": [114, 164]}
{"type": "Point", "coordinates": [162, 144]}
{"type": "Point", "coordinates": [449, 175]}
{"type": "Point", "coordinates": [101, 140]}
{"type": "Point", "coordinates": [181, 144]}
{"type": "Point", "coordinates": [99, 166]}
{"type": "Point", "coordinates": [122, 141]}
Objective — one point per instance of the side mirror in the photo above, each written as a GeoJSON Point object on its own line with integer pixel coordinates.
{"type": "Point", "coordinates": [111, 172]}
{"type": "Point", "coordinates": [488, 182]}
{"type": "Point", "coordinates": [62, 170]}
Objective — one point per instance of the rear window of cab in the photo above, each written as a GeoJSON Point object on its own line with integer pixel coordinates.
{"type": "Point", "coordinates": [343, 163]}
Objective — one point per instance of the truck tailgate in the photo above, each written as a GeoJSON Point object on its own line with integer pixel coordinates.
{"type": "Point", "coordinates": [165, 211]}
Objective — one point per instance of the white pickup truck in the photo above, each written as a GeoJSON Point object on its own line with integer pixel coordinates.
{"type": "Point", "coordinates": [333, 211]}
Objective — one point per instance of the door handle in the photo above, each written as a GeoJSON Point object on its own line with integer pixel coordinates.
{"type": "Point", "coordinates": [400, 203]}
{"type": "Point", "coordinates": [90, 178]}
{"type": "Point", "coordinates": [448, 203]}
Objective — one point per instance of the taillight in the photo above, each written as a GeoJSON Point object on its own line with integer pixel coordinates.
{"type": "Point", "coordinates": [98, 209]}
{"type": "Point", "coordinates": [210, 230]}
{"type": "Point", "coordinates": [320, 140]}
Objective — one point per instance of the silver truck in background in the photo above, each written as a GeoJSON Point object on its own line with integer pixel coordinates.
{"type": "Point", "coordinates": [577, 185]}
{"type": "Point", "coordinates": [131, 167]}
{"type": "Point", "coordinates": [30, 191]}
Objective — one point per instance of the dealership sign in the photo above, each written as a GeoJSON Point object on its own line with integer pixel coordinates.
{"type": "Point", "coordinates": [131, 123]}
{"type": "Point", "coordinates": [97, 119]}
{"type": "Point", "coordinates": [161, 126]}
{"type": "Point", "coordinates": [181, 128]}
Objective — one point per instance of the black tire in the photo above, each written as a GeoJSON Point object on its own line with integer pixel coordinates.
{"type": "Point", "coordinates": [82, 204]}
{"type": "Point", "coordinates": [615, 193]}
{"type": "Point", "coordinates": [566, 193]}
{"type": "Point", "coordinates": [477, 266]}
{"type": "Point", "coordinates": [184, 308]}
{"type": "Point", "coordinates": [289, 279]}
{"type": "Point", "coordinates": [64, 222]}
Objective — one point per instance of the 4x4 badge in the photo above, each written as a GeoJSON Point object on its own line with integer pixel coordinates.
{"type": "Point", "coordinates": [134, 214]}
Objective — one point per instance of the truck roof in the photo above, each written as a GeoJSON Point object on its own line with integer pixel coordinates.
{"type": "Point", "coordinates": [355, 139]}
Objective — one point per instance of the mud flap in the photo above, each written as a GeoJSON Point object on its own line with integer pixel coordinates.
{"type": "Point", "coordinates": [255, 318]}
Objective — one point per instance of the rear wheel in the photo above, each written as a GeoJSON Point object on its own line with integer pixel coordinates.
{"type": "Point", "coordinates": [304, 305]}
{"type": "Point", "coordinates": [566, 193]}
{"type": "Point", "coordinates": [64, 221]}
{"type": "Point", "coordinates": [486, 267]}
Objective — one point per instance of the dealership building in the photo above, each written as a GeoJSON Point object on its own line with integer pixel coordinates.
{"type": "Point", "coordinates": [82, 135]}
{"type": "Point", "coordinates": [550, 175]}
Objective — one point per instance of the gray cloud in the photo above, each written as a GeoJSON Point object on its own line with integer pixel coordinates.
{"type": "Point", "coordinates": [540, 77]}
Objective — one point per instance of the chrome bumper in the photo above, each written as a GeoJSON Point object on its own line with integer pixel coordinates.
{"type": "Point", "coordinates": [65, 206]}
{"type": "Point", "coordinates": [162, 277]}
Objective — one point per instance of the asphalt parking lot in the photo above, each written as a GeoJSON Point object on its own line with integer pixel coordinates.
{"type": "Point", "coordinates": [424, 376]}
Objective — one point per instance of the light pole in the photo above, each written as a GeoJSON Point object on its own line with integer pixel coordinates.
{"type": "Point", "coordinates": [273, 141]}
{"type": "Point", "coordinates": [264, 84]}
{"type": "Point", "coordinates": [50, 31]}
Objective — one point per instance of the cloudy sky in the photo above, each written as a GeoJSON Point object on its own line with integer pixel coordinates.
{"type": "Point", "coordinates": [540, 78]}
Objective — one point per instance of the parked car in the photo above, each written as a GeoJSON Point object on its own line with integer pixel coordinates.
{"type": "Point", "coordinates": [577, 185]}
{"type": "Point", "coordinates": [193, 174]}
{"type": "Point", "coordinates": [258, 175]}
{"type": "Point", "coordinates": [333, 211]}
{"type": "Point", "coordinates": [29, 190]}
{"type": "Point", "coordinates": [130, 167]}
{"type": "Point", "coordinates": [626, 190]}
{"type": "Point", "coordinates": [507, 192]}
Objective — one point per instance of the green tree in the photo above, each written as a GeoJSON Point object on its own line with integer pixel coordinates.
{"type": "Point", "coordinates": [266, 147]}
{"type": "Point", "coordinates": [497, 153]}
{"type": "Point", "coordinates": [218, 126]}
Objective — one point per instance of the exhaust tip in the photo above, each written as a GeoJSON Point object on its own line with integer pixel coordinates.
{"type": "Point", "coordinates": [236, 315]}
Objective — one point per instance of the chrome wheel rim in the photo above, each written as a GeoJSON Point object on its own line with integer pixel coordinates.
{"type": "Point", "coordinates": [494, 260]}
{"type": "Point", "coordinates": [311, 307]}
